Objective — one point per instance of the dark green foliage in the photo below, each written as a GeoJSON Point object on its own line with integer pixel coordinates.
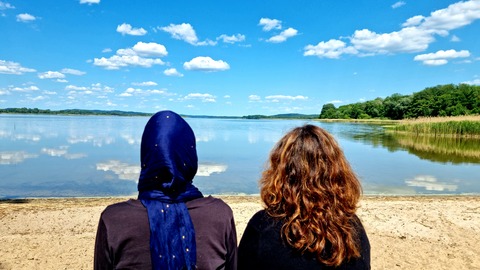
{"type": "Point", "coordinates": [441, 100]}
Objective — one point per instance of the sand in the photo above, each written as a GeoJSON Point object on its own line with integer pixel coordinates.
{"type": "Point", "coordinates": [431, 232]}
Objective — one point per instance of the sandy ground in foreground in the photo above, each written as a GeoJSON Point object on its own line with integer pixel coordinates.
{"type": "Point", "coordinates": [440, 232]}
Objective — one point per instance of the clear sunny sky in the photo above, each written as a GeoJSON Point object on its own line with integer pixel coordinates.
{"type": "Point", "coordinates": [231, 58]}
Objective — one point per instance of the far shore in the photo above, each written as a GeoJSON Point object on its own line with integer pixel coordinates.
{"type": "Point", "coordinates": [405, 232]}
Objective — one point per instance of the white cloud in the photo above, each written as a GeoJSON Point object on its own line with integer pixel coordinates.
{"type": "Point", "coordinates": [330, 49]}
{"type": "Point", "coordinates": [398, 4]}
{"type": "Point", "coordinates": [283, 36]}
{"type": "Point", "coordinates": [414, 21]}
{"type": "Point", "coordinates": [149, 83]}
{"type": "Point", "coordinates": [473, 82]}
{"type": "Point", "coordinates": [199, 96]}
{"type": "Point", "coordinates": [127, 29]}
{"type": "Point", "coordinates": [30, 88]}
{"type": "Point", "coordinates": [5, 5]}
{"type": "Point", "coordinates": [336, 101]}
{"type": "Point", "coordinates": [88, 89]}
{"type": "Point", "coordinates": [172, 72]}
{"type": "Point", "coordinates": [140, 92]}
{"type": "Point", "coordinates": [440, 57]}
{"type": "Point", "coordinates": [73, 71]}
{"type": "Point", "coordinates": [89, 2]}
{"type": "Point", "coordinates": [410, 39]}
{"type": "Point", "coordinates": [269, 24]}
{"type": "Point", "coordinates": [8, 67]}
{"type": "Point", "coordinates": [455, 39]}
{"type": "Point", "coordinates": [136, 56]}
{"type": "Point", "coordinates": [106, 50]}
{"type": "Point", "coordinates": [253, 98]}
{"type": "Point", "coordinates": [417, 34]}
{"type": "Point", "coordinates": [25, 17]}
{"type": "Point", "coordinates": [186, 33]}
{"type": "Point", "coordinates": [232, 39]}
{"type": "Point", "coordinates": [205, 63]}
{"type": "Point", "coordinates": [51, 75]}
{"type": "Point", "coordinates": [283, 97]}
{"type": "Point", "coordinates": [150, 49]}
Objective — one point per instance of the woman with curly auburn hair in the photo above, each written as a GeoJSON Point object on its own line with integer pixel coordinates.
{"type": "Point", "coordinates": [310, 195]}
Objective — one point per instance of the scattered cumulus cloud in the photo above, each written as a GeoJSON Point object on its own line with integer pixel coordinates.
{"type": "Point", "coordinates": [455, 39]}
{"type": "Point", "coordinates": [283, 97]}
{"type": "Point", "coordinates": [441, 57]}
{"type": "Point", "coordinates": [198, 96]}
{"type": "Point", "coordinates": [30, 88]}
{"type": "Point", "coordinates": [73, 71]}
{"type": "Point", "coordinates": [274, 24]}
{"type": "Point", "coordinates": [5, 6]}
{"type": "Point", "coordinates": [25, 17]}
{"type": "Point", "coordinates": [336, 101]}
{"type": "Point", "coordinates": [8, 67]}
{"type": "Point", "coordinates": [270, 24]}
{"type": "Point", "coordinates": [417, 34]}
{"type": "Point", "coordinates": [51, 75]}
{"type": "Point", "coordinates": [232, 39]}
{"type": "Point", "coordinates": [254, 98]}
{"type": "Point", "coordinates": [141, 54]}
{"type": "Point", "coordinates": [398, 4]}
{"type": "Point", "coordinates": [205, 63]}
{"type": "Point", "coordinates": [330, 49]}
{"type": "Point", "coordinates": [473, 82]}
{"type": "Point", "coordinates": [127, 29]}
{"type": "Point", "coordinates": [172, 72]}
{"type": "Point", "coordinates": [89, 2]}
{"type": "Point", "coordinates": [149, 83]}
{"type": "Point", "coordinates": [283, 36]}
{"type": "Point", "coordinates": [186, 33]}
{"type": "Point", "coordinates": [129, 92]}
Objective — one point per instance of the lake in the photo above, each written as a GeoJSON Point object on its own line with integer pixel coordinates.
{"type": "Point", "coordinates": [89, 156]}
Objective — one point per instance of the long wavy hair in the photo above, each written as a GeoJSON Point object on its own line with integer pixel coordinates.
{"type": "Point", "coordinates": [310, 186]}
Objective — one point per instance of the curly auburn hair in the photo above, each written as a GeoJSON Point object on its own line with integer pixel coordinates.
{"type": "Point", "coordinates": [310, 186]}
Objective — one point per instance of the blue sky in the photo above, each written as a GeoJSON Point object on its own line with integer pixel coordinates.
{"type": "Point", "coordinates": [231, 57]}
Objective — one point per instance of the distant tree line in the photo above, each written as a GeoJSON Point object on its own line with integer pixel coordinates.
{"type": "Point", "coordinates": [71, 112]}
{"type": "Point", "coordinates": [441, 100]}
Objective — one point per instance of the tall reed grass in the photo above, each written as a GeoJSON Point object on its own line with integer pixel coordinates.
{"type": "Point", "coordinates": [464, 126]}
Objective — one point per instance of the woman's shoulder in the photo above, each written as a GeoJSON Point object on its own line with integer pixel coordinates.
{"type": "Point", "coordinates": [211, 203]}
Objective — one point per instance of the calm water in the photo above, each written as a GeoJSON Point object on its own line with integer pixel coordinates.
{"type": "Point", "coordinates": [44, 156]}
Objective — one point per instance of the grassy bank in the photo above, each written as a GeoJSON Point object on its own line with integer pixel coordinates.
{"type": "Point", "coordinates": [462, 126]}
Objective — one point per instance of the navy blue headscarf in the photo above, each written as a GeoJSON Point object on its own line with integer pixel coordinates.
{"type": "Point", "coordinates": [169, 163]}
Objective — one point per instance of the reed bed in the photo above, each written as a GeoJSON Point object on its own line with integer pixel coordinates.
{"type": "Point", "coordinates": [464, 126]}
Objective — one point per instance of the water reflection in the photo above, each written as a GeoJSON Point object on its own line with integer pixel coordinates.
{"type": "Point", "coordinates": [123, 170]}
{"type": "Point", "coordinates": [99, 156]}
{"type": "Point", "coordinates": [14, 157]}
{"type": "Point", "coordinates": [437, 149]}
{"type": "Point", "coordinates": [431, 183]}
{"type": "Point", "coordinates": [207, 169]}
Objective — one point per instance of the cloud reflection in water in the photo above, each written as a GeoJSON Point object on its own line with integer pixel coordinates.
{"type": "Point", "coordinates": [14, 157]}
{"type": "Point", "coordinates": [430, 183]}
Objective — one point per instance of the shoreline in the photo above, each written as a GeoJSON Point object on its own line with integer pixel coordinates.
{"type": "Point", "coordinates": [405, 232]}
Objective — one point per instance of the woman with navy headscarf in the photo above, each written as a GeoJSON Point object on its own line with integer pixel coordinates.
{"type": "Point", "coordinates": [171, 225]}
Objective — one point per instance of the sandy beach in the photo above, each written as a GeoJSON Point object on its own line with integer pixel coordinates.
{"type": "Point", "coordinates": [428, 232]}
